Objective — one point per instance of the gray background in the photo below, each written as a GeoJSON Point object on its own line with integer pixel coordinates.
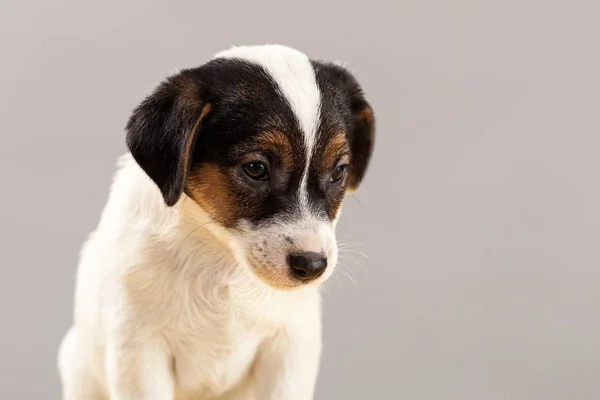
{"type": "Point", "coordinates": [479, 214]}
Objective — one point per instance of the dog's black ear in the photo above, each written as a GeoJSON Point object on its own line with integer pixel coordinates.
{"type": "Point", "coordinates": [362, 137]}
{"type": "Point", "coordinates": [360, 118]}
{"type": "Point", "coordinates": [162, 130]}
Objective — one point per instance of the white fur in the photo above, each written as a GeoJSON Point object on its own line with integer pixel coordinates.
{"type": "Point", "coordinates": [170, 306]}
{"type": "Point", "coordinates": [163, 311]}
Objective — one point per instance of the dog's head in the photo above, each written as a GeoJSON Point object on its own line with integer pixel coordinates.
{"type": "Point", "coordinates": [267, 142]}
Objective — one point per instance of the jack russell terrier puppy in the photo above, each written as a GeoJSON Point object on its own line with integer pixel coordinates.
{"type": "Point", "coordinates": [201, 280]}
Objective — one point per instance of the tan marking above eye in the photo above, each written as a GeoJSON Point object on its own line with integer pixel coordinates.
{"type": "Point", "coordinates": [277, 141]}
{"type": "Point", "coordinates": [336, 147]}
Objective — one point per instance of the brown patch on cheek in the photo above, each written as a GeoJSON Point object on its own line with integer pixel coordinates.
{"type": "Point", "coordinates": [212, 189]}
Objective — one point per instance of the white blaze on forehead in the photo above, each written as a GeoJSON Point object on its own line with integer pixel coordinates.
{"type": "Point", "coordinates": [294, 74]}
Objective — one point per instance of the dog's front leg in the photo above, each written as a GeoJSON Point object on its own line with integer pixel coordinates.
{"type": "Point", "coordinates": [139, 369]}
{"type": "Point", "coordinates": [288, 365]}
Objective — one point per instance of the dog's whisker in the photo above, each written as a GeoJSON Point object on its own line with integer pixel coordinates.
{"type": "Point", "coordinates": [195, 229]}
{"type": "Point", "coordinates": [346, 274]}
{"type": "Point", "coordinates": [186, 197]}
{"type": "Point", "coordinates": [353, 247]}
{"type": "Point", "coordinates": [337, 280]}
{"type": "Point", "coordinates": [357, 200]}
{"type": "Point", "coordinates": [354, 262]}
{"type": "Point", "coordinates": [343, 243]}
{"type": "Point", "coordinates": [327, 285]}
{"type": "Point", "coordinates": [355, 244]}
{"type": "Point", "coordinates": [183, 203]}
{"type": "Point", "coordinates": [347, 257]}
{"type": "Point", "coordinates": [344, 237]}
{"type": "Point", "coordinates": [350, 248]}
{"type": "Point", "coordinates": [353, 251]}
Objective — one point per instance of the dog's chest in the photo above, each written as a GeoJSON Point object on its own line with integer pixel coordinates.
{"type": "Point", "coordinates": [215, 347]}
{"type": "Point", "coordinates": [209, 366]}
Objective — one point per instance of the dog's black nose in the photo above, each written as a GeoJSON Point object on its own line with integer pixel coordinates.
{"type": "Point", "coordinates": [307, 266]}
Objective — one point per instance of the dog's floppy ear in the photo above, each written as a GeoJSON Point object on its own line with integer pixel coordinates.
{"type": "Point", "coordinates": [162, 130]}
{"type": "Point", "coordinates": [362, 136]}
{"type": "Point", "coordinates": [359, 117]}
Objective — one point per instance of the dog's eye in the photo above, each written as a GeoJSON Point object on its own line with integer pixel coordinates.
{"type": "Point", "coordinates": [338, 173]}
{"type": "Point", "coordinates": [256, 170]}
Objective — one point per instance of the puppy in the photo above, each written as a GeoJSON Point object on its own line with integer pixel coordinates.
{"type": "Point", "coordinates": [202, 278]}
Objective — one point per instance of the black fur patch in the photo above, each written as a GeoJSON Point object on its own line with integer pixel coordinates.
{"type": "Point", "coordinates": [343, 104]}
{"type": "Point", "coordinates": [213, 115]}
